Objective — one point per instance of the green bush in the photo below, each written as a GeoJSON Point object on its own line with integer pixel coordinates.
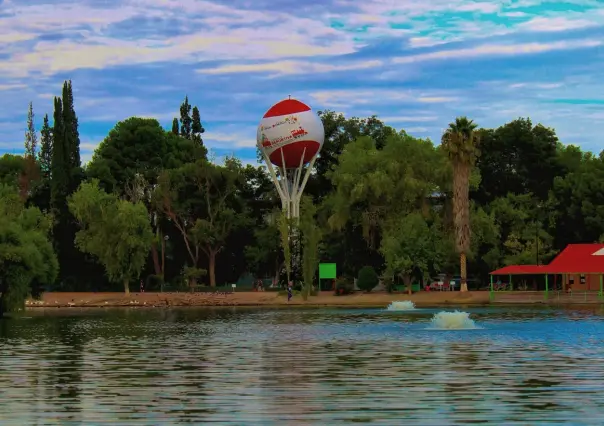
{"type": "Point", "coordinates": [368, 279]}
{"type": "Point", "coordinates": [344, 286]}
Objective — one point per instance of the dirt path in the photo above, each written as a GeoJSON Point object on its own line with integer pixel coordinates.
{"type": "Point", "coordinates": [251, 299]}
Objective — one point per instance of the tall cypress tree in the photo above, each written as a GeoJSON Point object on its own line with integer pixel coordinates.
{"type": "Point", "coordinates": [31, 138]}
{"type": "Point", "coordinates": [196, 127]}
{"type": "Point", "coordinates": [45, 153]}
{"type": "Point", "coordinates": [185, 119]}
{"type": "Point", "coordinates": [175, 126]}
{"type": "Point", "coordinates": [59, 168]}
{"type": "Point", "coordinates": [72, 137]}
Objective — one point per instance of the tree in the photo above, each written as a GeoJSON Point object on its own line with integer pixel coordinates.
{"type": "Point", "coordinates": [368, 279]}
{"type": "Point", "coordinates": [175, 126]}
{"type": "Point", "coordinates": [263, 256]}
{"type": "Point", "coordinates": [460, 142]}
{"type": "Point", "coordinates": [371, 184]}
{"type": "Point", "coordinates": [71, 137]}
{"type": "Point", "coordinates": [519, 158]}
{"type": "Point", "coordinates": [31, 137]}
{"type": "Point", "coordinates": [409, 246]}
{"type": "Point", "coordinates": [199, 199]}
{"type": "Point", "coordinates": [60, 163]}
{"type": "Point", "coordinates": [339, 132]}
{"type": "Point", "coordinates": [134, 154]}
{"type": "Point", "coordinates": [27, 259]}
{"type": "Point", "coordinates": [311, 240]}
{"type": "Point", "coordinates": [117, 232]}
{"type": "Point", "coordinates": [576, 204]}
{"type": "Point", "coordinates": [185, 119]}
{"type": "Point", "coordinates": [45, 153]}
{"type": "Point", "coordinates": [196, 127]}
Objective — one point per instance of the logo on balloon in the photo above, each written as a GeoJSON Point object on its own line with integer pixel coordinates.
{"type": "Point", "coordinates": [292, 119]}
{"type": "Point", "coordinates": [294, 134]}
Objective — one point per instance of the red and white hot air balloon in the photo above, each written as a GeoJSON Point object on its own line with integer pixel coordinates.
{"type": "Point", "coordinates": [290, 134]}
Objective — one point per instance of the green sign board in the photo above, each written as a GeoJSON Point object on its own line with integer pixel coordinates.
{"type": "Point", "coordinates": [327, 271]}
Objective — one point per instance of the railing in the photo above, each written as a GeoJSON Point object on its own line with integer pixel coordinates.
{"type": "Point", "coordinates": [551, 296]}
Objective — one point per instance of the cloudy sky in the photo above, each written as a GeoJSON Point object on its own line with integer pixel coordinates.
{"type": "Point", "coordinates": [415, 63]}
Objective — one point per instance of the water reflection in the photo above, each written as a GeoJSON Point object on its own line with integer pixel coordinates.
{"type": "Point", "coordinates": [264, 367]}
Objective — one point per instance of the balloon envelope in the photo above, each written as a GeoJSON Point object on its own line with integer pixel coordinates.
{"type": "Point", "coordinates": [289, 133]}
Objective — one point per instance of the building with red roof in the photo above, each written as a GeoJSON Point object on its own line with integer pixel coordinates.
{"type": "Point", "coordinates": [580, 265]}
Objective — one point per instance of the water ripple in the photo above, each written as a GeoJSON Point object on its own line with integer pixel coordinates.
{"type": "Point", "coordinates": [301, 367]}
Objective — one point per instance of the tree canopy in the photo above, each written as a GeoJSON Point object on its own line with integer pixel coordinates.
{"type": "Point", "coordinates": [150, 205]}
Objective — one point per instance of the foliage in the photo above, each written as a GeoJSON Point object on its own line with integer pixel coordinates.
{"type": "Point", "coordinates": [368, 279]}
{"type": "Point", "coordinates": [311, 239]}
{"type": "Point", "coordinates": [284, 234]}
{"type": "Point", "coordinates": [411, 245]}
{"type": "Point", "coordinates": [117, 232]}
{"type": "Point", "coordinates": [27, 259]}
{"type": "Point", "coordinates": [377, 197]}
{"type": "Point", "coordinates": [344, 286]}
{"type": "Point", "coordinates": [200, 200]}
{"type": "Point", "coordinates": [31, 137]}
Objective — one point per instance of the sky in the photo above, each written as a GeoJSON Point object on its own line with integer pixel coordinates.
{"type": "Point", "coordinates": [417, 64]}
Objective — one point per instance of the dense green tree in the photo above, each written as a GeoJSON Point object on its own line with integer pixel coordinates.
{"type": "Point", "coordinates": [410, 246]}
{"type": "Point", "coordinates": [175, 126]}
{"type": "Point", "coordinates": [371, 184]}
{"type": "Point", "coordinates": [27, 259]}
{"type": "Point", "coordinates": [117, 232]}
{"type": "Point", "coordinates": [139, 146]}
{"type": "Point", "coordinates": [339, 132]}
{"type": "Point", "coordinates": [200, 200]}
{"type": "Point", "coordinates": [128, 163]}
{"type": "Point", "coordinates": [577, 203]}
{"type": "Point", "coordinates": [460, 141]}
{"type": "Point", "coordinates": [519, 158]}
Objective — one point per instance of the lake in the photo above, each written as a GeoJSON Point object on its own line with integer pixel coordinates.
{"type": "Point", "coordinates": [248, 366]}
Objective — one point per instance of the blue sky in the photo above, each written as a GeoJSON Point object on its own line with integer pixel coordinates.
{"type": "Point", "coordinates": [415, 63]}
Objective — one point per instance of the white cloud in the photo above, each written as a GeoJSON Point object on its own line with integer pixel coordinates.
{"type": "Point", "coordinates": [558, 23]}
{"type": "Point", "coordinates": [259, 35]}
{"type": "Point", "coordinates": [498, 50]}
{"type": "Point", "coordinates": [290, 67]}
{"type": "Point", "coordinates": [230, 140]}
{"type": "Point", "coordinates": [347, 98]}
{"type": "Point", "coordinates": [535, 85]}
{"type": "Point", "coordinates": [409, 119]}
{"type": "Point", "coordinates": [12, 86]}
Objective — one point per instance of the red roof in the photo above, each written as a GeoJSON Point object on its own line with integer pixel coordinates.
{"type": "Point", "coordinates": [520, 270]}
{"type": "Point", "coordinates": [579, 259]}
{"type": "Point", "coordinates": [574, 259]}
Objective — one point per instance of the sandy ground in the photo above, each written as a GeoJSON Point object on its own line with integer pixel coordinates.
{"type": "Point", "coordinates": [252, 299]}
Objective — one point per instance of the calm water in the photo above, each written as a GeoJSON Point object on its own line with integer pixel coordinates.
{"type": "Point", "coordinates": [301, 367]}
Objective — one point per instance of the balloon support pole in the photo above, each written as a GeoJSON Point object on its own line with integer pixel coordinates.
{"type": "Point", "coordinates": [290, 183]}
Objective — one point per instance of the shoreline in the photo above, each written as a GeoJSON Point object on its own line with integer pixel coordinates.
{"type": "Point", "coordinates": [274, 300]}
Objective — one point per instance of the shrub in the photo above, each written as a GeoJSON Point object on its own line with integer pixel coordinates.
{"type": "Point", "coordinates": [344, 286]}
{"type": "Point", "coordinates": [368, 279]}
{"type": "Point", "coordinates": [388, 282]}
{"type": "Point", "coordinates": [154, 283]}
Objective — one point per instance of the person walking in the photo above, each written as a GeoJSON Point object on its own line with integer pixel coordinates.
{"type": "Point", "coordinates": [289, 292]}
{"type": "Point", "coordinates": [142, 287]}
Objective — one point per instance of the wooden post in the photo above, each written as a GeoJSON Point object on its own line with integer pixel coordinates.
{"type": "Point", "coordinates": [491, 294]}
{"type": "Point", "coordinates": [546, 287]}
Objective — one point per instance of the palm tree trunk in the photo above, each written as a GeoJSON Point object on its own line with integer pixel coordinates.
{"type": "Point", "coordinates": [464, 272]}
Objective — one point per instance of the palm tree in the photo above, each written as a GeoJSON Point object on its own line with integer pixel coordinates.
{"type": "Point", "coordinates": [460, 141]}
